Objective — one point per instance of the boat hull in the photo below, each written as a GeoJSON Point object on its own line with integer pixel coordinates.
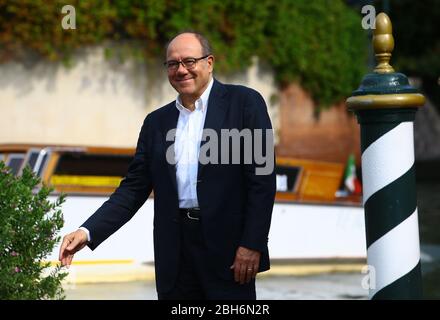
{"type": "Point", "coordinates": [298, 231]}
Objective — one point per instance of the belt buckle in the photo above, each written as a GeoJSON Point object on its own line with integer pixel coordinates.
{"type": "Point", "coordinates": [188, 214]}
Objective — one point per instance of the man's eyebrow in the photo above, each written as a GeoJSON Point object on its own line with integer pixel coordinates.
{"type": "Point", "coordinates": [189, 57]}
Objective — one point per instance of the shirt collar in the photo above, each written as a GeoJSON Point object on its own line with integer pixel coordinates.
{"type": "Point", "coordinates": [201, 103]}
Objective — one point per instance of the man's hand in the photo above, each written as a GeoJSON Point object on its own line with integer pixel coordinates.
{"type": "Point", "coordinates": [246, 264]}
{"type": "Point", "coordinates": [72, 243]}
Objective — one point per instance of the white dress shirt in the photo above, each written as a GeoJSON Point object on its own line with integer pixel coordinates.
{"type": "Point", "coordinates": [187, 147]}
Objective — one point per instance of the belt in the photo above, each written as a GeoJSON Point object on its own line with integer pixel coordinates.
{"type": "Point", "coordinates": [191, 213]}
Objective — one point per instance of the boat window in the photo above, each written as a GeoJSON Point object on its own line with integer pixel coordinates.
{"type": "Point", "coordinates": [31, 158]}
{"type": "Point", "coordinates": [41, 163]}
{"type": "Point", "coordinates": [2, 157]}
{"type": "Point", "coordinates": [15, 161]}
{"type": "Point", "coordinates": [90, 170]}
{"type": "Point", "coordinates": [287, 178]}
{"type": "Point", "coordinates": [93, 164]}
{"type": "Point", "coordinates": [36, 159]}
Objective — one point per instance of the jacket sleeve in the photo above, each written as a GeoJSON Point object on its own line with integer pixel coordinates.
{"type": "Point", "coordinates": [131, 194]}
{"type": "Point", "coordinates": [259, 175]}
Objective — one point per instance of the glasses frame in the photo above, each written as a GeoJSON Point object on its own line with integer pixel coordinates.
{"type": "Point", "coordinates": [181, 62]}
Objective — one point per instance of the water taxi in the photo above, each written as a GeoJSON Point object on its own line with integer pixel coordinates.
{"type": "Point", "coordinates": [309, 222]}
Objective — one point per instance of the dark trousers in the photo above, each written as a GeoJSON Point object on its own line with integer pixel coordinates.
{"type": "Point", "coordinates": [196, 279]}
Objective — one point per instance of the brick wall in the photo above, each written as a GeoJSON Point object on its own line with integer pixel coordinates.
{"type": "Point", "coordinates": [331, 136]}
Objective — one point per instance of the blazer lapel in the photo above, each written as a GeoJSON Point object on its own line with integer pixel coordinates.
{"type": "Point", "coordinates": [170, 123]}
{"type": "Point", "coordinates": [217, 106]}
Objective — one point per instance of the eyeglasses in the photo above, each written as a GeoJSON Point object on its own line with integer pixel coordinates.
{"type": "Point", "coordinates": [188, 63]}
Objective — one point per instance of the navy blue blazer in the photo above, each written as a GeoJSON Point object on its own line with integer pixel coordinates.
{"type": "Point", "coordinates": [236, 204]}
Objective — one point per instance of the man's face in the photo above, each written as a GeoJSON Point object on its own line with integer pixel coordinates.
{"type": "Point", "coordinates": [189, 83]}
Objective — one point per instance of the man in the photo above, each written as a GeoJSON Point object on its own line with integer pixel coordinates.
{"type": "Point", "coordinates": [211, 220]}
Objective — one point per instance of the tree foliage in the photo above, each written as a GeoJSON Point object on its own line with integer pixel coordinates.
{"type": "Point", "coordinates": [319, 43]}
{"type": "Point", "coordinates": [417, 39]}
{"type": "Point", "coordinates": [28, 233]}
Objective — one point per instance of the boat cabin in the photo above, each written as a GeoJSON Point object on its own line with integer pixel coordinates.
{"type": "Point", "coordinates": [82, 170]}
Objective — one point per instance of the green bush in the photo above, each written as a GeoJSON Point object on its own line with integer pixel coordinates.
{"type": "Point", "coordinates": [29, 225]}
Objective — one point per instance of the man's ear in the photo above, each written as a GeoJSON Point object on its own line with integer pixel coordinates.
{"type": "Point", "coordinates": [211, 60]}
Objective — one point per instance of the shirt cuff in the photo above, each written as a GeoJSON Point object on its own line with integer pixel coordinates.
{"type": "Point", "coordinates": [87, 233]}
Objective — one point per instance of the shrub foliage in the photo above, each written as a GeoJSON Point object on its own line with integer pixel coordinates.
{"type": "Point", "coordinates": [28, 233]}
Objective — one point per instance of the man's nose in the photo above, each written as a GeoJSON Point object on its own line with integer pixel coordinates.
{"type": "Point", "coordinates": [181, 69]}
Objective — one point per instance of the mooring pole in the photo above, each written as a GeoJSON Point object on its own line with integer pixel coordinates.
{"type": "Point", "coordinates": [385, 105]}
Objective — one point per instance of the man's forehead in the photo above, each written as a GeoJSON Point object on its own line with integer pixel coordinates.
{"type": "Point", "coordinates": [184, 44]}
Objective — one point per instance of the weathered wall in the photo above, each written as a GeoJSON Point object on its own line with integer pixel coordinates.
{"type": "Point", "coordinates": [96, 102]}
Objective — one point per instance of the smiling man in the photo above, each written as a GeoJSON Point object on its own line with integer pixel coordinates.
{"type": "Point", "coordinates": [211, 220]}
{"type": "Point", "coordinates": [187, 76]}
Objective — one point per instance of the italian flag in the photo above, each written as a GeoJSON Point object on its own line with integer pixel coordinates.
{"type": "Point", "coordinates": [351, 182]}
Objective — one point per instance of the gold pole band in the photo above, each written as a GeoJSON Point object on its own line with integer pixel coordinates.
{"type": "Point", "coordinates": [386, 101]}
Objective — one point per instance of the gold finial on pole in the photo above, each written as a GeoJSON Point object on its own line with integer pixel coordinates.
{"type": "Point", "coordinates": [383, 43]}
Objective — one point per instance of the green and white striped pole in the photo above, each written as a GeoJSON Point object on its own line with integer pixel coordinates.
{"type": "Point", "coordinates": [385, 105]}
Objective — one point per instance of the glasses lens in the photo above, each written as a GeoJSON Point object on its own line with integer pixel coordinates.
{"type": "Point", "coordinates": [189, 63]}
{"type": "Point", "coordinates": [172, 65]}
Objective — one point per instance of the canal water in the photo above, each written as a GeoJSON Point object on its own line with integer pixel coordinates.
{"type": "Point", "coordinates": [428, 201]}
{"type": "Point", "coordinates": [320, 287]}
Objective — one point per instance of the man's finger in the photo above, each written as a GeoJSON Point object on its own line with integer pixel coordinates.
{"type": "Point", "coordinates": [73, 244]}
{"type": "Point", "coordinates": [65, 243]}
{"type": "Point", "coordinates": [236, 272]}
{"type": "Point", "coordinates": [248, 275]}
{"type": "Point", "coordinates": [69, 259]}
{"type": "Point", "coordinates": [242, 273]}
{"type": "Point", "coordinates": [65, 258]}
{"type": "Point", "coordinates": [64, 261]}
{"type": "Point", "coordinates": [255, 271]}
{"type": "Point", "coordinates": [255, 268]}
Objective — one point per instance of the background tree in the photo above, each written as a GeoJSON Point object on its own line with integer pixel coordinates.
{"type": "Point", "coordinates": [319, 43]}
{"type": "Point", "coordinates": [417, 35]}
